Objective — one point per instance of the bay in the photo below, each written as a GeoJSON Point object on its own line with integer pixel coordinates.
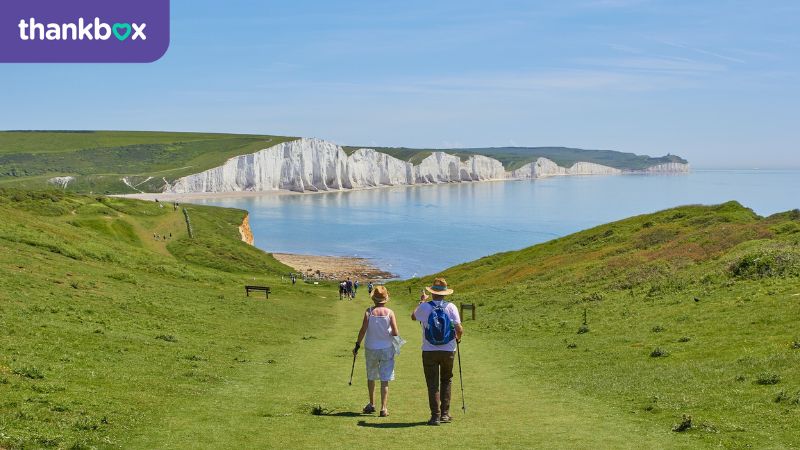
{"type": "Point", "coordinates": [419, 230]}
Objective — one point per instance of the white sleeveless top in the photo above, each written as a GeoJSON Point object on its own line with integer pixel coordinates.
{"type": "Point", "coordinates": [379, 332]}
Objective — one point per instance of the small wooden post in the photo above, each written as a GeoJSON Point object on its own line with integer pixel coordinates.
{"type": "Point", "coordinates": [470, 306]}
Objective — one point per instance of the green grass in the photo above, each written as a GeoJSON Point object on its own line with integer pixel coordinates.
{"type": "Point", "coordinates": [689, 311]}
{"type": "Point", "coordinates": [113, 339]}
{"type": "Point", "coordinates": [100, 159]}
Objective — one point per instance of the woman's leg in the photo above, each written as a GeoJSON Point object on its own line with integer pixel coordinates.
{"type": "Point", "coordinates": [384, 394]}
{"type": "Point", "coordinates": [371, 387]}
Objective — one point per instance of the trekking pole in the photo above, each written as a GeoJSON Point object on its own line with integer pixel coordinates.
{"type": "Point", "coordinates": [461, 377]}
{"type": "Point", "coordinates": [352, 370]}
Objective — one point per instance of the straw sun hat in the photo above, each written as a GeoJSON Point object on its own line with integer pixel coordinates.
{"type": "Point", "coordinates": [380, 295]}
{"type": "Point", "coordinates": [439, 287]}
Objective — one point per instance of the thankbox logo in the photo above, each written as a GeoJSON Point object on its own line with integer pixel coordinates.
{"type": "Point", "coordinates": [31, 30]}
{"type": "Point", "coordinates": [84, 30]}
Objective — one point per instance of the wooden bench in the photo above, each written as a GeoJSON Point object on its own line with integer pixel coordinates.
{"type": "Point", "coordinates": [470, 306]}
{"type": "Point", "coordinates": [264, 289]}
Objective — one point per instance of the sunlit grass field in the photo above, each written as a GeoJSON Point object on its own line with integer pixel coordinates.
{"type": "Point", "coordinates": [113, 338]}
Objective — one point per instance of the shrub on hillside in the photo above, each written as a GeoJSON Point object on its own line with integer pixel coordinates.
{"type": "Point", "coordinates": [767, 379]}
{"type": "Point", "coordinates": [658, 353]}
{"type": "Point", "coordinates": [684, 425]}
{"type": "Point", "coordinates": [767, 263]}
{"type": "Point", "coordinates": [31, 372]}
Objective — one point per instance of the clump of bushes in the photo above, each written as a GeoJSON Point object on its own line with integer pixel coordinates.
{"type": "Point", "coordinates": [658, 353]}
{"type": "Point", "coordinates": [583, 329]}
{"type": "Point", "coordinates": [684, 425]}
{"type": "Point", "coordinates": [32, 372]}
{"type": "Point", "coordinates": [796, 344]}
{"type": "Point", "coordinates": [767, 379]}
{"type": "Point", "coordinates": [684, 339]}
{"type": "Point", "coordinates": [572, 345]}
{"type": "Point", "coordinates": [167, 338]}
{"type": "Point", "coordinates": [783, 397]}
{"type": "Point", "coordinates": [319, 410]}
{"type": "Point", "coordinates": [765, 264]}
{"type": "Point", "coordinates": [657, 329]}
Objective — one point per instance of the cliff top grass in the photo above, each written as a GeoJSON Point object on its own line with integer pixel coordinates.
{"type": "Point", "coordinates": [605, 338]}
{"type": "Point", "coordinates": [100, 159]}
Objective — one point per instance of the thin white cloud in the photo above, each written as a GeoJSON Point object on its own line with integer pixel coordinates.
{"type": "Point", "coordinates": [654, 63]}
{"type": "Point", "coordinates": [700, 51]}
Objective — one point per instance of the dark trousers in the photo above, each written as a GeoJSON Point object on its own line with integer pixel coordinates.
{"type": "Point", "coordinates": [438, 367]}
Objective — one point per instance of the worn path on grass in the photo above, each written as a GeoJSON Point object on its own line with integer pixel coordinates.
{"type": "Point", "coordinates": [269, 405]}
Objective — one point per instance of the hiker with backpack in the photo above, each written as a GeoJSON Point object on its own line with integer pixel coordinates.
{"type": "Point", "coordinates": [441, 331]}
{"type": "Point", "coordinates": [349, 288]}
{"type": "Point", "coordinates": [379, 327]}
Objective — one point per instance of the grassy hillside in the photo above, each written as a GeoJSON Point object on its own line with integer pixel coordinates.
{"type": "Point", "coordinates": [689, 311]}
{"type": "Point", "coordinates": [100, 159]}
{"type": "Point", "coordinates": [115, 339]}
{"type": "Point", "coordinates": [516, 157]}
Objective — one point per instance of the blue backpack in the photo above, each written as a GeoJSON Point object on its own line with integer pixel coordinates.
{"type": "Point", "coordinates": [440, 328]}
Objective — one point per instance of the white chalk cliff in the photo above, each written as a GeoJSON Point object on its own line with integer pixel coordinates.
{"type": "Point", "coordinates": [315, 165]}
{"type": "Point", "coordinates": [543, 167]}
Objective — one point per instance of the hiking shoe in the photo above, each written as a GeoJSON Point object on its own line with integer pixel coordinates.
{"type": "Point", "coordinates": [369, 409]}
{"type": "Point", "coordinates": [445, 418]}
{"type": "Point", "coordinates": [434, 420]}
{"type": "Point", "coordinates": [384, 413]}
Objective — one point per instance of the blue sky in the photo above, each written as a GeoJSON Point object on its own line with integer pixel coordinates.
{"type": "Point", "coordinates": [715, 81]}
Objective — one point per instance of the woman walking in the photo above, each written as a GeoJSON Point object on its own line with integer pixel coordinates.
{"type": "Point", "coordinates": [379, 326]}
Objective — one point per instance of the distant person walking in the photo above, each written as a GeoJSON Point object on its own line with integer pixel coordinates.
{"type": "Point", "coordinates": [294, 279]}
{"type": "Point", "coordinates": [349, 287]}
{"type": "Point", "coordinates": [355, 288]}
{"type": "Point", "coordinates": [370, 286]}
{"type": "Point", "coordinates": [379, 326]}
{"type": "Point", "coordinates": [441, 329]}
{"type": "Point", "coordinates": [342, 290]}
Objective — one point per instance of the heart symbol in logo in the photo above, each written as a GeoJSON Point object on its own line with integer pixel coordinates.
{"type": "Point", "coordinates": [121, 30]}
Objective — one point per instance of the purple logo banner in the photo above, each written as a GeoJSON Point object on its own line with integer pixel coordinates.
{"type": "Point", "coordinates": [83, 31]}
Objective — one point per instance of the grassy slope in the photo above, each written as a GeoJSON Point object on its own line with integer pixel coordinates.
{"type": "Point", "coordinates": [114, 339]}
{"type": "Point", "coordinates": [100, 159]}
{"type": "Point", "coordinates": [516, 157]}
{"type": "Point", "coordinates": [717, 288]}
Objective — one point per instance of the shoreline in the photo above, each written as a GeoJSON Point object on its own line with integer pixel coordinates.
{"type": "Point", "coordinates": [188, 197]}
{"type": "Point", "coordinates": [334, 268]}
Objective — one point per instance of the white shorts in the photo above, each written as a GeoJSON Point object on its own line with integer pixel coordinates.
{"type": "Point", "coordinates": [380, 364]}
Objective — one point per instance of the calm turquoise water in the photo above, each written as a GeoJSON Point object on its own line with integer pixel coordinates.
{"type": "Point", "coordinates": [420, 230]}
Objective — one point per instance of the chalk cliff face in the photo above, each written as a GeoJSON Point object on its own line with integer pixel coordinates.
{"type": "Point", "coordinates": [368, 168]}
{"type": "Point", "coordinates": [543, 167]}
{"type": "Point", "coordinates": [668, 168]}
{"type": "Point", "coordinates": [302, 165]}
{"type": "Point", "coordinates": [61, 182]}
{"type": "Point", "coordinates": [315, 165]}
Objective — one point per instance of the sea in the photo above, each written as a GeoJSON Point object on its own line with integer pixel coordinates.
{"type": "Point", "coordinates": [418, 230]}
